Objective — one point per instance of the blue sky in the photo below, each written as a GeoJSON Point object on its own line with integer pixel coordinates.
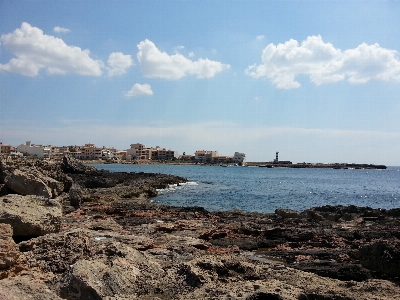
{"type": "Point", "coordinates": [318, 81]}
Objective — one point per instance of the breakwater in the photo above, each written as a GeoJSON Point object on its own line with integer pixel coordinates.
{"type": "Point", "coordinates": [317, 166]}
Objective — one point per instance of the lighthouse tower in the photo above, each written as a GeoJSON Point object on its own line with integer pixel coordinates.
{"type": "Point", "coordinates": [276, 160]}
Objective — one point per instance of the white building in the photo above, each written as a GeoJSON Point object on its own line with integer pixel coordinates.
{"type": "Point", "coordinates": [33, 150]}
{"type": "Point", "coordinates": [239, 158]}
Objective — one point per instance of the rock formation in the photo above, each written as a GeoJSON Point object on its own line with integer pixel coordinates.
{"type": "Point", "coordinates": [96, 236]}
{"type": "Point", "coordinates": [30, 215]}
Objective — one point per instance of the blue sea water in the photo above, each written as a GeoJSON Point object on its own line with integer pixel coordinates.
{"type": "Point", "coordinates": [254, 189]}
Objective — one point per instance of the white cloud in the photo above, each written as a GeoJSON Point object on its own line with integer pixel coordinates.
{"type": "Point", "coordinates": [118, 63]}
{"type": "Point", "coordinates": [35, 50]}
{"type": "Point", "coordinates": [324, 63]}
{"type": "Point", "coordinates": [59, 29]}
{"type": "Point", "coordinates": [178, 48]}
{"type": "Point", "coordinates": [260, 37]}
{"type": "Point", "coordinates": [191, 54]}
{"type": "Point", "coordinates": [139, 90]}
{"type": "Point", "coordinates": [157, 64]}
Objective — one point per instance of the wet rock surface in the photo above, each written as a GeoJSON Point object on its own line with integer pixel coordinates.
{"type": "Point", "coordinates": [111, 242]}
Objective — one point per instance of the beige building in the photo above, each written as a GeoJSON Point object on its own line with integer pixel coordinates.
{"type": "Point", "coordinates": [5, 148]}
{"type": "Point", "coordinates": [91, 152]}
{"type": "Point", "coordinates": [139, 151]}
{"type": "Point", "coordinates": [204, 155]}
{"type": "Point", "coordinates": [121, 155]}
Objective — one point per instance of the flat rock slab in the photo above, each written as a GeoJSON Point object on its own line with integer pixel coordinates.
{"type": "Point", "coordinates": [30, 215]}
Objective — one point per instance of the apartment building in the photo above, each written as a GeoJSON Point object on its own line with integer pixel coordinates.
{"type": "Point", "coordinates": [163, 154]}
{"type": "Point", "coordinates": [139, 151]}
{"type": "Point", "coordinates": [91, 152]}
{"type": "Point", "coordinates": [204, 155]}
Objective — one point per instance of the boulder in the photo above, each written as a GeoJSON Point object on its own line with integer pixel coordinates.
{"type": "Point", "coordinates": [9, 251]}
{"type": "Point", "coordinates": [30, 215]}
{"type": "Point", "coordinates": [76, 195]}
{"type": "Point", "coordinates": [34, 183]}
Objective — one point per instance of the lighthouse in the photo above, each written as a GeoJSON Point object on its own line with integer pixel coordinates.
{"type": "Point", "coordinates": [276, 158]}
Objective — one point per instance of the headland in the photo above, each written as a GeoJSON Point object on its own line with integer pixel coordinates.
{"type": "Point", "coordinates": [69, 231]}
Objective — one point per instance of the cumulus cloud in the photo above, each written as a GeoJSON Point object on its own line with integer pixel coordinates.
{"type": "Point", "coordinates": [35, 50]}
{"type": "Point", "coordinates": [59, 29]}
{"type": "Point", "coordinates": [139, 90]}
{"type": "Point", "coordinates": [118, 63]}
{"type": "Point", "coordinates": [157, 64]}
{"type": "Point", "coordinates": [260, 37]}
{"type": "Point", "coordinates": [324, 63]}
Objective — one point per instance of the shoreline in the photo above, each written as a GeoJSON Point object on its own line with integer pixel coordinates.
{"type": "Point", "coordinates": [106, 240]}
{"type": "Point", "coordinates": [253, 164]}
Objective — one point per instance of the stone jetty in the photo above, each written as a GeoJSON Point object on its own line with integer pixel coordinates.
{"type": "Point", "coordinates": [69, 231]}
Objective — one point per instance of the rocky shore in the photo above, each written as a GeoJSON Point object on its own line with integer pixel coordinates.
{"type": "Point", "coordinates": [69, 231]}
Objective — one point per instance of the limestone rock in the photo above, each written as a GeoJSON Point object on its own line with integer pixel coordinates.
{"type": "Point", "coordinates": [122, 271]}
{"type": "Point", "coordinates": [33, 183]}
{"type": "Point", "coordinates": [9, 251]}
{"type": "Point", "coordinates": [33, 177]}
{"type": "Point", "coordinates": [71, 246]}
{"type": "Point", "coordinates": [30, 215]}
{"type": "Point", "coordinates": [27, 184]}
{"type": "Point", "coordinates": [24, 287]}
{"type": "Point", "coordinates": [76, 195]}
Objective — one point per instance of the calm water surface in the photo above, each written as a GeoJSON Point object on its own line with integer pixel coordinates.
{"type": "Point", "coordinates": [263, 190]}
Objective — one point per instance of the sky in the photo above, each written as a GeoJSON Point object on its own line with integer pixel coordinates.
{"type": "Point", "coordinates": [318, 81]}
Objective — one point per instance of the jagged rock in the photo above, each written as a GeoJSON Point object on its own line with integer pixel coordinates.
{"type": "Point", "coordinates": [9, 251]}
{"type": "Point", "coordinates": [73, 166]}
{"type": "Point", "coordinates": [33, 177]}
{"type": "Point", "coordinates": [71, 246]}
{"type": "Point", "coordinates": [76, 195]}
{"type": "Point", "coordinates": [383, 257]}
{"type": "Point", "coordinates": [287, 213]}
{"type": "Point", "coordinates": [30, 215]}
{"type": "Point", "coordinates": [24, 287]}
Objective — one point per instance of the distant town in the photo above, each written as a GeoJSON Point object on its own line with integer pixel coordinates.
{"type": "Point", "coordinates": [136, 152]}
{"type": "Point", "coordinates": [140, 154]}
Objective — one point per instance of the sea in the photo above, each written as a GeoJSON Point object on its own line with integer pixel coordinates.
{"type": "Point", "coordinates": [255, 189]}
